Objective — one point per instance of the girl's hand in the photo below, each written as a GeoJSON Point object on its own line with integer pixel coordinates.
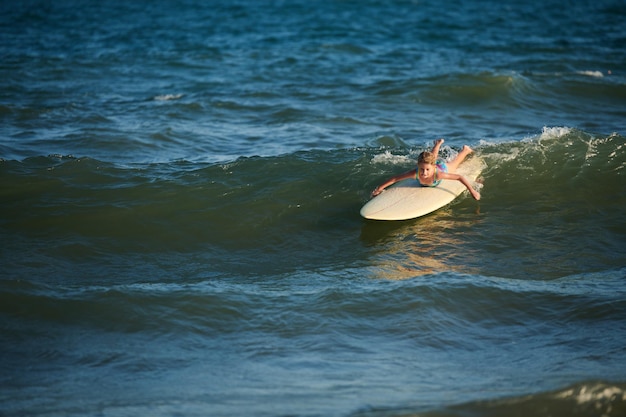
{"type": "Point", "coordinates": [475, 194]}
{"type": "Point", "coordinates": [376, 191]}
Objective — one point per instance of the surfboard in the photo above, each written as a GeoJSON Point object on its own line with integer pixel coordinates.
{"type": "Point", "coordinates": [408, 200]}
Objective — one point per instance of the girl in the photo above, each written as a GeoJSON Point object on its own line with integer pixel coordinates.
{"type": "Point", "coordinates": [431, 170]}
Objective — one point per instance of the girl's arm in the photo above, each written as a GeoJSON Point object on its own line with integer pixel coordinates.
{"type": "Point", "coordinates": [393, 180]}
{"type": "Point", "coordinates": [464, 181]}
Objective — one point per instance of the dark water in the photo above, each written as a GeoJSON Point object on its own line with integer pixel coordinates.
{"type": "Point", "coordinates": [180, 185]}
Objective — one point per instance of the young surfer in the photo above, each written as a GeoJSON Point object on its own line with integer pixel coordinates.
{"type": "Point", "coordinates": [431, 170]}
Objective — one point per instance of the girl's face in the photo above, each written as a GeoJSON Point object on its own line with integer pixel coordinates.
{"type": "Point", "coordinates": [425, 171]}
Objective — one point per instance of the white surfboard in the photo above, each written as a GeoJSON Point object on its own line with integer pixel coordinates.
{"type": "Point", "coordinates": [408, 200]}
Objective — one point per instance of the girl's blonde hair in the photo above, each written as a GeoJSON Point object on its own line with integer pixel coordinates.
{"type": "Point", "coordinates": [427, 158]}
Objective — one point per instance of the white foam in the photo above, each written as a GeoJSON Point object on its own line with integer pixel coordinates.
{"type": "Point", "coordinates": [167, 97]}
{"type": "Point", "coordinates": [597, 74]}
{"type": "Point", "coordinates": [597, 393]}
{"type": "Point", "coordinates": [389, 158]}
{"type": "Point", "coordinates": [554, 132]}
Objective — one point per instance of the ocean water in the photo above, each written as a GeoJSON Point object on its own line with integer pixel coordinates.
{"type": "Point", "coordinates": [180, 185]}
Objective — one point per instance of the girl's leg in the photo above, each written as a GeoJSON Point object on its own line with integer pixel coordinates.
{"type": "Point", "coordinates": [438, 144]}
{"type": "Point", "coordinates": [454, 164]}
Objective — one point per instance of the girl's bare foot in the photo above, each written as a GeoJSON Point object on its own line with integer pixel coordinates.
{"type": "Point", "coordinates": [438, 143]}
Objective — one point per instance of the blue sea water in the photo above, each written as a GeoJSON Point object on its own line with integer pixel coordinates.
{"type": "Point", "coordinates": [180, 185]}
